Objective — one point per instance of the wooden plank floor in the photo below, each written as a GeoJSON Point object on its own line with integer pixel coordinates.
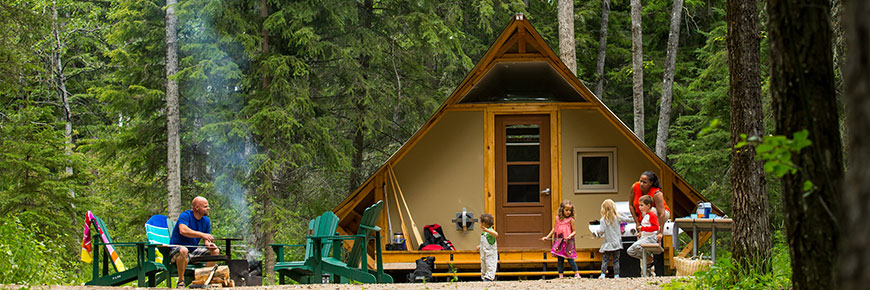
{"type": "Point", "coordinates": [515, 274]}
{"type": "Point", "coordinates": [520, 260]}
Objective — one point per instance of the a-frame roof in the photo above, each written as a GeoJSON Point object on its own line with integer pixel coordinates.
{"type": "Point", "coordinates": [519, 42]}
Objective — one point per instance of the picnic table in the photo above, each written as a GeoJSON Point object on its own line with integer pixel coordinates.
{"type": "Point", "coordinates": [701, 224]}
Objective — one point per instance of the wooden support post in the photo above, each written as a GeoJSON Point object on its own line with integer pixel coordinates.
{"type": "Point", "coordinates": [703, 238]}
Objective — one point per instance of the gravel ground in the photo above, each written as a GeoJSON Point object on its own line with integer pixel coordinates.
{"type": "Point", "coordinates": [564, 283]}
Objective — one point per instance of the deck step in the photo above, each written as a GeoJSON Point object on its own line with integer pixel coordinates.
{"type": "Point", "coordinates": [528, 273]}
{"type": "Point", "coordinates": [475, 262]}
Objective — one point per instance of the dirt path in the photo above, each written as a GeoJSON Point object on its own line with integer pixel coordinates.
{"type": "Point", "coordinates": [564, 283]}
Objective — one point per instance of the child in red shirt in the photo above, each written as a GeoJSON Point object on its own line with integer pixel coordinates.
{"type": "Point", "coordinates": [648, 229]}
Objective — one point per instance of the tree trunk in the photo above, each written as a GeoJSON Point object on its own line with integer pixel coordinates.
{"type": "Point", "coordinates": [839, 42]}
{"type": "Point", "coordinates": [359, 142]}
{"type": "Point", "coordinates": [637, 67]}
{"type": "Point", "coordinates": [265, 234]}
{"type": "Point", "coordinates": [398, 107]}
{"type": "Point", "coordinates": [668, 81]}
{"type": "Point", "coordinates": [566, 35]}
{"type": "Point", "coordinates": [802, 90]}
{"type": "Point", "coordinates": [265, 230]}
{"type": "Point", "coordinates": [854, 270]}
{"type": "Point", "coordinates": [751, 238]}
{"type": "Point", "coordinates": [60, 86]}
{"type": "Point", "coordinates": [173, 146]}
{"type": "Point", "coordinates": [602, 48]}
{"type": "Point", "coordinates": [356, 177]}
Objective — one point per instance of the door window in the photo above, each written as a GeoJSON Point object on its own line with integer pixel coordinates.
{"type": "Point", "coordinates": [523, 160]}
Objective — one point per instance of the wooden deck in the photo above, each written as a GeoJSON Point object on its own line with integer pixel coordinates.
{"type": "Point", "coordinates": [528, 262]}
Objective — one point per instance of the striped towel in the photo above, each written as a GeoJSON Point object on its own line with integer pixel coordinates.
{"type": "Point", "coordinates": [87, 245]}
{"type": "Point", "coordinates": [157, 232]}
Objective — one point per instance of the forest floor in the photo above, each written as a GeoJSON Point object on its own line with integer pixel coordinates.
{"type": "Point", "coordinates": [563, 283]}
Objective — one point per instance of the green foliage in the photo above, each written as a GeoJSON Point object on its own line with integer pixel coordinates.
{"type": "Point", "coordinates": [453, 270]}
{"type": "Point", "coordinates": [698, 151]}
{"type": "Point", "coordinates": [776, 151]}
{"type": "Point", "coordinates": [726, 275]}
{"type": "Point", "coordinates": [28, 256]}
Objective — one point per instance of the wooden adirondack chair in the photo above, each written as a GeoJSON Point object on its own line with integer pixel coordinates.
{"type": "Point", "coordinates": [145, 268]}
{"type": "Point", "coordinates": [301, 271]}
{"type": "Point", "coordinates": [157, 230]}
{"type": "Point", "coordinates": [356, 267]}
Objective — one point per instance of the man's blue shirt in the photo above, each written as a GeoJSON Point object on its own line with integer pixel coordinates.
{"type": "Point", "coordinates": [202, 225]}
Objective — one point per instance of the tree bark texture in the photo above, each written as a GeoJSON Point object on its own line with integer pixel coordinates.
{"type": "Point", "coordinates": [751, 237]}
{"type": "Point", "coordinates": [264, 230]}
{"type": "Point", "coordinates": [854, 268]}
{"type": "Point", "coordinates": [668, 81]}
{"type": "Point", "coordinates": [637, 67]}
{"type": "Point", "coordinates": [803, 97]}
{"type": "Point", "coordinates": [602, 48]}
{"type": "Point", "coordinates": [566, 35]}
{"type": "Point", "coordinates": [173, 146]}
{"type": "Point", "coordinates": [839, 43]}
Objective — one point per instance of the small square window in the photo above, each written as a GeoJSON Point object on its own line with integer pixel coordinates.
{"type": "Point", "coordinates": [594, 170]}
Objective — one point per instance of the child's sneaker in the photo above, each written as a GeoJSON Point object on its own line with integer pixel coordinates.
{"type": "Point", "coordinates": [602, 276]}
{"type": "Point", "coordinates": [577, 275]}
{"type": "Point", "coordinates": [615, 276]}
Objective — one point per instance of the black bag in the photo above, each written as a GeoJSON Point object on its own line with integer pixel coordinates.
{"type": "Point", "coordinates": [435, 236]}
{"type": "Point", "coordinates": [423, 271]}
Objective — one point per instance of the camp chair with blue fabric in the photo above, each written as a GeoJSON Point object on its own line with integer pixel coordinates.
{"type": "Point", "coordinates": [318, 229]}
{"type": "Point", "coordinates": [157, 233]}
{"type": "Point", "coordinates": [356, 268]}
{"type": "Point", "coordinates": [145, 272]}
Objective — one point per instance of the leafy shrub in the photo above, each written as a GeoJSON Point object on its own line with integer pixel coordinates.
{"type": "Point", "coordinates": [30, 258]}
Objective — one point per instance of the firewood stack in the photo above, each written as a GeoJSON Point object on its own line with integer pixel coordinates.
{"type": "Point", "coordinates": [221, 277]}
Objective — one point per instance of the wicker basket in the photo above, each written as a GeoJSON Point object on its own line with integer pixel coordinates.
{"type": "Point", "coordinates": [688, 267]}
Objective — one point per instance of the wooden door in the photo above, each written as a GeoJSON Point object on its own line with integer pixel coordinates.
{"type": "Point", "coordinates": [522, 180]}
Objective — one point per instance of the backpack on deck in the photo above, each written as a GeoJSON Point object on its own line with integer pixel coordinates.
{"type": "Point", "coordinates": [423, 271]}
{"type": "Point", "coordinates": [435, 240]}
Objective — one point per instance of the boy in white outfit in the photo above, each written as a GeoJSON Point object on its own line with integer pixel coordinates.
{"type": "Point", "coordinates": [488, 248]}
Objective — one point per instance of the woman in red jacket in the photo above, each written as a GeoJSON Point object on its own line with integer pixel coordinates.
{"type": "Point", "coordinates": [649, 185]}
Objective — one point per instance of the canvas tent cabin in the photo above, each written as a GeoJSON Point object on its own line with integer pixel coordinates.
{"type": "Point", "coordinates": [516, 137]}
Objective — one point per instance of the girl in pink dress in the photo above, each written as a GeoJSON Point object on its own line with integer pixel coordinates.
{"type": "Point", "coordinates": [563, 238]}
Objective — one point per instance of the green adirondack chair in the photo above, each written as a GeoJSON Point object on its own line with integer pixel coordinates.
{"type": "Point", "coordinates": [301, 271]}
{"type": "Point", "coordinates": [356, 268]}
{"type": "Point", "coordinates": [145, 272]}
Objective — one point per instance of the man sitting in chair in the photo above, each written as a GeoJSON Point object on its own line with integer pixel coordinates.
{"type": "Point", "coordinates": [192, 226]}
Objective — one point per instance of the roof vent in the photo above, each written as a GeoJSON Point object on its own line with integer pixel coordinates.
{"type": "Point", "coordinates": [519, 16]}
